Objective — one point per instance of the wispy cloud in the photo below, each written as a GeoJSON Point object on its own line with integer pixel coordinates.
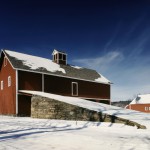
{"type": "Point", "coordinates": [113, 37]}
{"type": "Point", "coordinates": [124, 60]}
{"type": "Point", "coordinates": [101, 63]}
{"type": "Point", "coordinates": [130, 76]}
{"type": "Point", "coordinates": [135, 25]}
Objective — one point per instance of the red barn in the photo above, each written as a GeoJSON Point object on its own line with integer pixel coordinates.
{"type": "Point", "coordinates": [20, 71]}
{"type": "Point", "coordinates": [140, 103]}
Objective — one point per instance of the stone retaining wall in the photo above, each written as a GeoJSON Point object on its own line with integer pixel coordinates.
{"type": "Point", "coordinates": [46, 108]}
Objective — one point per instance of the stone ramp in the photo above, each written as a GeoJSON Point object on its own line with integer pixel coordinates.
{"type": "Point", "coordinates": [100, 111]}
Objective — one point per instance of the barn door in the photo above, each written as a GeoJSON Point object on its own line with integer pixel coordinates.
{"type": "Point", "coordinates": [74, 89]}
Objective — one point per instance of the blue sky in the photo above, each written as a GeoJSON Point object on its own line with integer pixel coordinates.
{"type": "Point", "coordinates": [111, 36]}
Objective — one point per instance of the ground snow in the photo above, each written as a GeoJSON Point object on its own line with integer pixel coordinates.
{"type": "Point", "coordinates": [136, 116]}
{"type": "Point", "coordinates": [42, 134]}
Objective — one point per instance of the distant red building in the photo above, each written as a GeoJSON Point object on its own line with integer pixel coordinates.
{"type": "Point", "coordinates": [140, 103]}
{"type": "Point", "coordinates": [20, 71]}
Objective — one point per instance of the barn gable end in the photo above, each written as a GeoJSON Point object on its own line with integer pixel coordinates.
{"type": "Point", "coordinates": [7, 86]}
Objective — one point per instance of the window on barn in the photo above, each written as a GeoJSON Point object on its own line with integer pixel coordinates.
{"type": "Point", "coordinates": [9, 81]}
{"type": "Point", "coordinates": [74, 89]}
{"type": "Point", "coordinates": [5, 61]}
{"type": "Point", "coordinates": [2, 85]}
{"type": "Point", "coordinates": [146, 108]}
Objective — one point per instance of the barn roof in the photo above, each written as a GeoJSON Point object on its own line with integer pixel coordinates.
{"type": "Point", "coordinates": [38, 64]}
{"type": "Point", "coordinates": [141, 99]}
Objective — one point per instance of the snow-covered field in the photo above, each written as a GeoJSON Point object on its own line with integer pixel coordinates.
{"type": "Point", "coordinates": [41, 134]}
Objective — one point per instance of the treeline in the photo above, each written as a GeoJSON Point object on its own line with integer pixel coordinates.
{"type": "Point", "coordinates": [121, 103]}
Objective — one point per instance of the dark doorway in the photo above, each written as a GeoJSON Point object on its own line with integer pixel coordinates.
{"type": "Point", "coordinates": [24, 105]}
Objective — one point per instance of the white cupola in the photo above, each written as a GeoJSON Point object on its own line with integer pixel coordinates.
{"type": "Point", "coordinates": [59, 57]}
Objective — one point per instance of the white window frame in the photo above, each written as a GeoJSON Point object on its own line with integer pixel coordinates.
{"type": "Point", "coordinates": [72, 89]}
{"type": "Point", "coordinates": [146, 108]}
{"type": "Point", "coordinates": [5, 61]}
{"type": "Point", "coordinates": [9, 81]}
{"type": "Point", "coordinates": [2, 85]}
{"type": "Point", "coordinates": [57, 58]}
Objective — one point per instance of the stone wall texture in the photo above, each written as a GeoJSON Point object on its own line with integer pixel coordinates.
{"type": "Point", "coordinates": [47, 108]}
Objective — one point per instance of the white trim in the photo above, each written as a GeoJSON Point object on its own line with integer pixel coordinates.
{"type": "Point", "coordinates": [66, 59]}
{"type": "Point", "coordinates": [5, 61]}
{"type": "Point", "coordinates": [9, 81]}
{"type": "Point", "coordinates": [16, 92]}
{"type": "Point", "coordinates": [2, 85]}
{"type": "Point", "coordinates": [8, 59]}
{"type": "Point", "coordinates": [72, 89]}
{"type": "Point", "coordinates": [57, 58]}
{"type": "Point", "coordinates": [42, 82]}
{"type": "Point", "coordinates": [53, 58]}
{"type": "Point", "coordinates": [56, 51]}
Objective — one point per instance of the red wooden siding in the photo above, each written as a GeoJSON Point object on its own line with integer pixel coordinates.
{"type": "Point", "coordinates": [29, 81]}
{"type": "Point", "coordinates": [140, 107]}
{"type": "Point", "coordinates": [63, 86]}
{"type": "Point", "coordinates": [8, 94]}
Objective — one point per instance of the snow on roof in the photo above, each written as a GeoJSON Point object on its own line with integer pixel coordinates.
{"type": "Point", "coordinates": [35, 62]}
{"type": "Point", "coordinates": [77, 67]}
{"type": "Point", "coordinates": [141, 99]}
{"type": "Point", "coordinates": [102, 79]}
{"type": "Point", "coordinates": [132, 115]}
{"type": "Point", "coordinates": [43, 65]}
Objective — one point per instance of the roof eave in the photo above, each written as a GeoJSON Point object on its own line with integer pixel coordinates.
{"type": "Point", "coordinates": [56, 51]}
